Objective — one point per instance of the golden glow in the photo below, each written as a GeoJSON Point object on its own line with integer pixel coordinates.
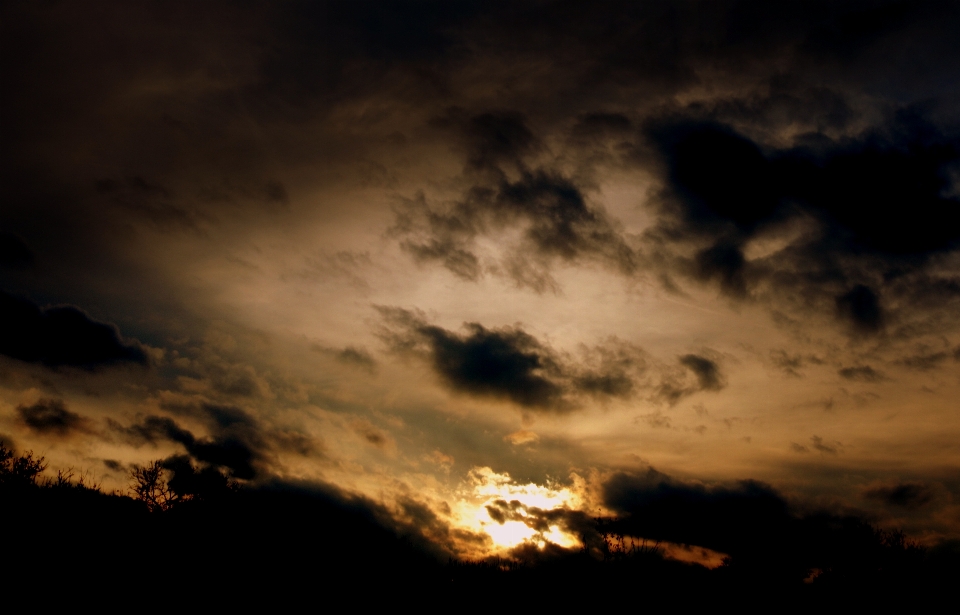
{"type": "Point", "coordinates": [517, 510]}
{"type": "Point", "coordinates": [508, 534]}
{"type": "Point", "coordinates": [692, 554]}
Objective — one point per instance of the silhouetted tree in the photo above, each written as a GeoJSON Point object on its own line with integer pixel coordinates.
{"type": "Point", "coordinates": [165, 483]}
{"type": "Point", "coordinates": [22, 471]}
{"type": "Point", "coordinates": [192, 484]}
{"type": "Point", "coordinates": [150, 486]}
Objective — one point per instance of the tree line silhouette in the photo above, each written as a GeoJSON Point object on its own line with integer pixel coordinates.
{"type": "Point", "coordinates": [189, 532]}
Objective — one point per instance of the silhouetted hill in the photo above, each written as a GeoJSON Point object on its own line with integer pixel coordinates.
{"type": "Point", "coordinates": [282, 542]}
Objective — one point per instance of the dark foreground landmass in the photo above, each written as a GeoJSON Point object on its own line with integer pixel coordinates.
{"type": "Point", "coordinates": [202, 541]}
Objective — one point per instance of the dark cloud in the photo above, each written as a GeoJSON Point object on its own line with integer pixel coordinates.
{"type": "Point", "coordinates": [861, 307]}
{"type": "Point", "coordinates": [491, 139]}
{"type": "Point", "coordinates": [655, 420]}
{"type": "Point", "coordinates": [238, 383]}
{"type": "Point", "coordinates": [163, 208]}
{"type": "Point", "coordinates": [238, 441]}
{"type": "Point", "coordinates": [152, 202]}
{"type": "Point", "coordinates": [114, 465]}
{"type": "Point", "coordinates": [675, 385]}
{"type": "Point", "coordinates": [797, 134]}
{"type": "Point", "coordinates": [509, 363]}
{"type": "Point", "coordinates": [216, 416]}
{"type": "Point", "coordinates": [726, 189]}
{"type": "Point", "coordinates": [601, 125]}
{"type": "Point", "coordinates": [901, 495]}
{"type": "Point", "coordinates": [765, 535]}
{"type": "Point", "coordinates": [501, 511]}
{"type": "Point", "coordinates": [461, 262]}
{"type": "Point", "coordinates": [356, 356]}
{"type": "Point", "coordinates": [724, 263]}
{"type": "Point", "coordinates": [731, 519]}
{"type": "Point", "coordinates": [234, 424]}
{"type": "Point", "coordinates": [790, 364]}
{"type": "Point", "coordinates": [193, 483]}
{"type": "Point", "coordinates": [862, 373]}
{"type": "Point", "coordinates": [51, 416]}
{"type": "Point", "coordinates": [559, 225]}
{"type": "Point", "coordinates": [722, 181]}
{"type": "Point", "coordinates": [151, 429]}
{"type": "Point", "coordinates": [232, 453]}
{"type": "Point", "coordinates": [798, 125]}
{"type": "Point", "coordinates": [707, 371]}
{"type": "Point", "coordinates": [541, 520]}
{"type": "Point", "coordinates": [61, 336]}
{"type": "Point", "coordinates": [830, 448]}
{"type": "Point", "coordinates": [352, 355]}
{"type": "Point", "coordinates": [369, 432]}
{"type": "Point", "coordinates": [228, 416]}
{"type": "Point", "coordinates": [925, 361]}
{"type": "Point", "coordinates": [505, 363]}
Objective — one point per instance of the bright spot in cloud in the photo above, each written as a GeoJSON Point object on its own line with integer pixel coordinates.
{"type": "Point", "coordinates": [511, 513]}
{"type": "Point", "coordinates": [522, 437]}
{"type": "Point", "coordinates": [508, 534]}
{"type": "Point", "coordinates": [692, 554]}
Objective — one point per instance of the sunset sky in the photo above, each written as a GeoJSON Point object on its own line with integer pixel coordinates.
{"type": "Point", "coordinates": [454, 255]}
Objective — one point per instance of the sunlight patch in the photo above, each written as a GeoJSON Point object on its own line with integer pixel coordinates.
{"type": "Point", "coordinates": [512, 514]}
{"type": "Point", "coordinates": [523, 436]}
{"type": "Point", "coordinates": [692, 554]}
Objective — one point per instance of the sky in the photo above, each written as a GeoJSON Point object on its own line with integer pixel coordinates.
{"type": "Point", "coordinates": [492, 266]}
